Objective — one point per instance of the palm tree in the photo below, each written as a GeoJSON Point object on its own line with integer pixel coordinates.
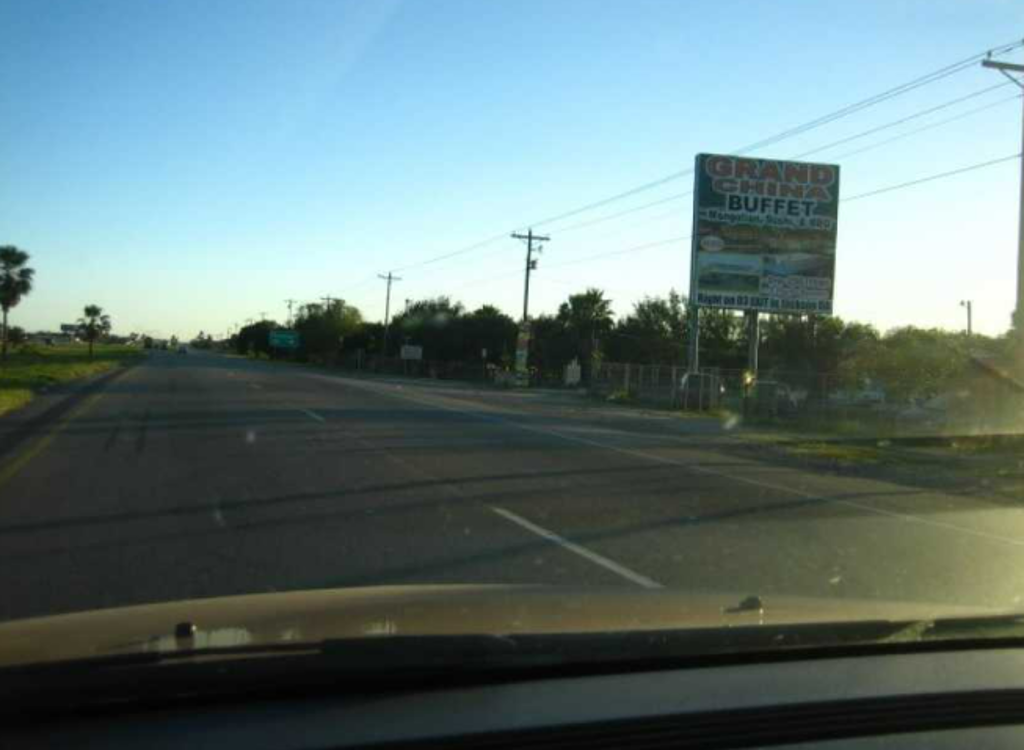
{"type": "Point", "coordinates": [15, 283]}
{"type": "Point", "coordinates": [93, 324]}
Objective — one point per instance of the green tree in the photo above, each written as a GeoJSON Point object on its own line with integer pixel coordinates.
{"type": "Point", "coordinates": [17, 336]}
{"type": "Point", "coordinates": [654, 333]}
{"type": "Point", "coordinates": [323, 330]}
{"type": "Point", "coordinates": [435, 324]}
{"type": "Point", "coordinates": [488, 328]}
{"type": "Point", "coordinates": [255, 338]}
{"type": "Point", "coordinates": [722, 343]}
{"type": "Point", "coordinates": [909, 363]}
{"type": "Point", "coordinates": [552, 347]}
{"type": "Point", "coordinates": [587, 317]}
{"type": "Point", "coordinates": [15, 282]}
{"type": "Point", "coordinates": [93, 324]}
{"type": "Point", "coordinates": [369, 338]}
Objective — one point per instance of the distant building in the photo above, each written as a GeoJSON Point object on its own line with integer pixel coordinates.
{"type": "Point", "coordinates": [47, 338]}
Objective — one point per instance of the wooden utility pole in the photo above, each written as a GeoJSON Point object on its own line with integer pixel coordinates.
{"type": "Point", "coordinates": [387, 306]}
{"type": "Point", "coordinates": [1018, 313]}
{"type": "Point", "coordinates": [531, 265]}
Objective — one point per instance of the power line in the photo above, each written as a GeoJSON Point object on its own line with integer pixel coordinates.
{"type": "Point", "coordinates": [895, 91]}
{"type": "Point", "coordinates": [930, 178]}
{"type": "Point", "coordinates": [790, 133]}
{"type": "Point", "coordinates": [908, 118]}
{"type": "Point", "coordinates": [488, 279]}
{"type": "Point", "coordinates": [368, 280]}
{"type": "Point", "coordinates": [929, 126]}
{"type": "Point", "coordinates": [634, 249]}
{"type": "Point", "coordinates": [889, 188]}
{"type": "Point", "coordinates": [618, 196]}
{"type": "Point", "coordinates": [617, 214]}
{"type": "Point", "coordinates": [885, 126]}
{"type": "Point", "coordinates": [850, 109]}
{"type": "Point", "coordinates": [681, 238]}
{"type": "Point", "coordinates": [456, 253]}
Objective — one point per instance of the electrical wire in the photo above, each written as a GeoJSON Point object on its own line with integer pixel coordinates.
{"type": "Point", "coordinates": [871, 101]}
{"type": "Point", "coordinates": [616, 215]}
{"type": "Point", "coordinates": [455, 253]}
{"type": "Point", "coordinates": [902, 120]}
{"type": "Point", "coordinates": [856, 136]}
{"type": "Point", "coordinates": [929, 126]}
{"type": "Point", "coordinates": [877, 191]}
{"type": "Point", "coordinates": [850, 109]}
{"type": "Point", "coordinates": [930, 178]}
{"type": "Point", "coordinates": [634, 249]}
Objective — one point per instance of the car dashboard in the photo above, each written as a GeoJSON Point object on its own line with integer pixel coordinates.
{"type": "Point", "coordinates": [934, 699]}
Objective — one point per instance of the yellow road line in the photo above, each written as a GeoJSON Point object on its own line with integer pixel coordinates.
{"type": "Point", "coordinates": [21, 460]}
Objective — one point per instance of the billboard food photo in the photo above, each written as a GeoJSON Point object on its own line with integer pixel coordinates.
{"type": "Point", "coordinates": [764, 234]}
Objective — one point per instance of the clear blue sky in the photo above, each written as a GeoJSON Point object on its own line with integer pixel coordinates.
{"type": "Point", "coordinates": [190, 164]}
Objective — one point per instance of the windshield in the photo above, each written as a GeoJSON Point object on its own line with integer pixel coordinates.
{"type": "Point", "coordinates": [708, 303]}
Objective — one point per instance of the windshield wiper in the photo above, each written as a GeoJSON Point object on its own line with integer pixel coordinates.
{"type": "Point", "coordinates": [988, 627]}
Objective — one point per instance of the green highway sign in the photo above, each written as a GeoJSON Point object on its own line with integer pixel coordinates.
{"type": "Point", "coordinates": [282, 339]}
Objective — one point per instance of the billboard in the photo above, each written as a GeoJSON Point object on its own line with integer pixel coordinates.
{"type": "Point", "coordinates": [764, 234]}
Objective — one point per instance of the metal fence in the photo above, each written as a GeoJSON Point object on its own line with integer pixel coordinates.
{"type": "Point", "coordinates": [773, 393]}
{"type": "Point", "coordinates": [421, 368]}
{"type": "Point", "coordinates": [663, 385]}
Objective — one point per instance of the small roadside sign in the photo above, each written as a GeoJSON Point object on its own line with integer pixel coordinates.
{"type": "Point", "coordinates": [283, 339]}
{"type": "Point", "coordinates": [412, 352]}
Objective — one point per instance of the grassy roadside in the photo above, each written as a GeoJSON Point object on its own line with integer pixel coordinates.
{"type": "Point", "coordinates": [31, 369]}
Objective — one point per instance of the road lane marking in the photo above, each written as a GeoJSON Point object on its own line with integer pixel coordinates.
{"type": "Point", "coordinates": [697, 468]}
{"type": "Point", "coordinates": [257, 386]}
{"type": "Point", "coordinates": [19, 462]}
{"type": "Point", "coordinates": [312, 415]}
{"type": "Point", "coordinates": [601, 560]}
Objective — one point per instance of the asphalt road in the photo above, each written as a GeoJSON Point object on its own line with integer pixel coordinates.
{"type": "Point", "coordinates": [203, 475]}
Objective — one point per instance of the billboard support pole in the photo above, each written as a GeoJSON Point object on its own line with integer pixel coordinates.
{"type": "Point", "coordinates": [753, 339]}
{"type": "Point", "coordinates": [693, 316]}
{"type": "Point", "coordinates": [693, 362]}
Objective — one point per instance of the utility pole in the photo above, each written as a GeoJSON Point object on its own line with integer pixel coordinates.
{"type": "Point", "coordinates": [290, 303]}
{"type": "Point", "coordinates": [263, 317]}
{"type": "Point", "coordinates": [387, 306]}
{"type": "Point", "coordinates": [328, 300]}
{"type": "Point", "coordinates": [967, 303]}
{"type": "Point", "coordinates": [523, 340]}
{"type": "Point", "coordinates": [1018, 313]}
{"type": "Point", "coordinates": [531, 265]}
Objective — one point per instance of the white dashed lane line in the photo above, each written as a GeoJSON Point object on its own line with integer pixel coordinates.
{"type": "Point", "coordinates": [600, 560]}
